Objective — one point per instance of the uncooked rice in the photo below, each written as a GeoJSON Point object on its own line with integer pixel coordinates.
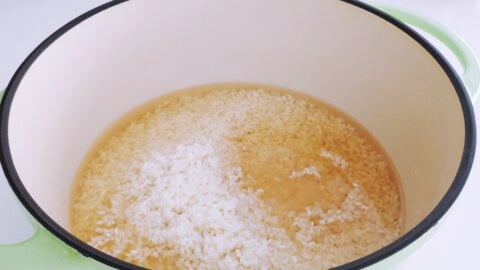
{"type": "Point", "coordinates": [237, 179]}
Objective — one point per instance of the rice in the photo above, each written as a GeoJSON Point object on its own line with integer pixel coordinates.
{"type": "Point", "coordinates": [204, 181]}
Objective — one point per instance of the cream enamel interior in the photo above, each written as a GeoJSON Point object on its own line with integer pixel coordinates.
{"type": "Point", "coordinates": [132, 52]}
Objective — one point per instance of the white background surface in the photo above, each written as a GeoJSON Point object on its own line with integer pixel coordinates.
{"type": "Point", "coordinates": [25, 23]}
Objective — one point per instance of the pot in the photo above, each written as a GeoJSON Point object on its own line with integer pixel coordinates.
{"type": "Point", "coordinates": [124, 53]}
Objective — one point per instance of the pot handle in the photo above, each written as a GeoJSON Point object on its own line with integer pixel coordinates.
{"type": "Point", "coordinates": [43, 251]}
{"type": "Point", "coordinates": [461, 50]}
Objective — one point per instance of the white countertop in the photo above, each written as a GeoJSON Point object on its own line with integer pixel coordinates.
{"type": "Point", "coordinates": [25, 23]}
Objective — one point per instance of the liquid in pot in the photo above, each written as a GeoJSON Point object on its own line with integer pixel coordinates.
{"type": "Point", "coordinates": [237, 176]}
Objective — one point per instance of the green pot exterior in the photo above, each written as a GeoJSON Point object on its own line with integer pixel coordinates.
{"type": "Point", "coordinates": [461, 50]}
{"type": "Point", "coordinates": [45, 251]}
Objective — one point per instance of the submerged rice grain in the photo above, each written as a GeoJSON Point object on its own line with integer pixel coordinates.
{"type": "Point", "coordinates": [204, 181]}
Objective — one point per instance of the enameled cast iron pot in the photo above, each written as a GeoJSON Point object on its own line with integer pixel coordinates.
{"type": "Point", "coordinates": [119, 55]}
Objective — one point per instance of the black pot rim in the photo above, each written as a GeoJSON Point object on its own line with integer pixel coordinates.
{"type": "Point", "coordinates": [427, 223]}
